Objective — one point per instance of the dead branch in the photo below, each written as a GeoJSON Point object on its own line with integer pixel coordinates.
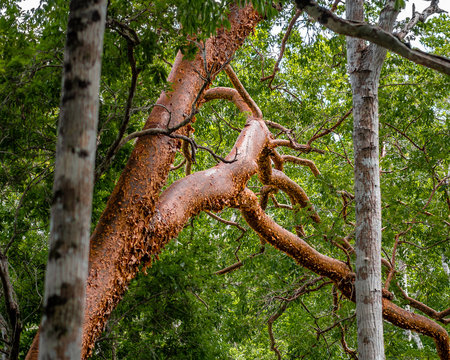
{"type": "Point", "coordinates": [416, 17]}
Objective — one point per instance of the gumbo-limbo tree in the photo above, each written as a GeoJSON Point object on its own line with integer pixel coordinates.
{"type": "Point", "coordinates": [243, 173]}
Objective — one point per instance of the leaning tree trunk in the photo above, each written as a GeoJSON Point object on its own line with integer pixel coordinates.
{"type": "Point", "coordinates": [364, 67]}
{"type": "Point", "coordinates": [67, 266]}
{"type": "Point", "coordinates": [118, 242]}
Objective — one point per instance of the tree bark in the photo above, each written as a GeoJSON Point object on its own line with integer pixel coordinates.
{"type": "Point", "coordinates": [364, 67]}
{"type": "Point", "coordinates": [117, 247]}
{"type": "Point", "coordinates": [67, 266]}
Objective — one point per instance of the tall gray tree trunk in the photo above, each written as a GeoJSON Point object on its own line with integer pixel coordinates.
{"type": "Point", "coordinates": [67, 266]}
{"type": "Point", "coordinates": [364, 67]}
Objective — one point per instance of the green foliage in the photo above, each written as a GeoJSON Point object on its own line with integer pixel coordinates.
{"type": "Point", "coordinates": [182, 309]}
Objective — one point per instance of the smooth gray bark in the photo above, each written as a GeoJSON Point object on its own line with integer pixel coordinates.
{"type": "Point", "coordinates": [67, 267]}
{"type": "Point", "coordinates": [364, 67]}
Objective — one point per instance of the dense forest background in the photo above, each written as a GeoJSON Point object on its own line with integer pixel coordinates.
{"type": "Point", "coordinates": [187, 305]}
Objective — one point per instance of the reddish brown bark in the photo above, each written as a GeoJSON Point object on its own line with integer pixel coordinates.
{"type": "Point", "coordinates": [133, 228]}
{"type": "Point", "coordinates": [117, 244]}
{"type": "Point", "coordinates": [224, 185]}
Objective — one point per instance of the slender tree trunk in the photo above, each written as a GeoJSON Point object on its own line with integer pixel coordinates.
{"type": "Point", "coordinates": [364, 67]}
{"type": "Point", "coordinates": [67, 266]}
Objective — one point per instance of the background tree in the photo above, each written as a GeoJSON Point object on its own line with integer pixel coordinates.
{"type": "Point", "coordinates": [67, 265]}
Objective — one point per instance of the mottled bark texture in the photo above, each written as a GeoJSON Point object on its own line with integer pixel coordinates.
{"type": "Point", "coordinates": [364, 67]}
{"type": "Point", "coordinates": [118, 243]}
{"type": "Point", "coordinates": [67, 267]}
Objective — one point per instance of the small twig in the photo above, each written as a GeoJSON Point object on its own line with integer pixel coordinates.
{"type": "Point", "coordinates": [227, 222]}
{"type": "Point", "coordinates": [276, 68]}
{"type": "Point", "coordinates": [327, 131]}
{"type": "Point", "coordinates": [199, 299]}
{"type": "Point", "coordinates": [406, 136]}
{"type": "Point", "coordinates": [295, 146]}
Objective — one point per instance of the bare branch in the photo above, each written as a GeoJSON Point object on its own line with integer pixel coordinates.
{"type": "Point", "coordinates": [282, 48]}
{"type": "Point", "coordinates": [327, 131]}
{"type": "Point", "coordinates": [416, 17]}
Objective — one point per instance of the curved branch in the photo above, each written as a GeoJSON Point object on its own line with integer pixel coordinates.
{"type": "Point", "coordinates": [334, 269]}
{"type": "Point", "coordinates": [229, 94]}
{"type": "Point", "coordinates": [256, 111]}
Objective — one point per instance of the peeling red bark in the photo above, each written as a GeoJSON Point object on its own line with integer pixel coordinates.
{"type": "Point", "coordinates": [117, 242]}
{"type": "Point", "coordinates": [137, 224]}
{"type": "Point", "coordinates": [223, 186]}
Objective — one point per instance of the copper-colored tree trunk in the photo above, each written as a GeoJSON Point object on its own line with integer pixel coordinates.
{"type": "Point", "coordinates": [117, 244]}
{"type": "Point", "coordinates": [138, 222]}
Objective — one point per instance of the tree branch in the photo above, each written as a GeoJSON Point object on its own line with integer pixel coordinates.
{"type": "Point", "coordinates": [373, 34]}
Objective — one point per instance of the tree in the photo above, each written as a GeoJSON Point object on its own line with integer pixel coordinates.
{"type": "Point", "coordinates": [252, 151]}
{"type": "Point", "coordinates": [364, 67]}
{"type": "Point", "coordinates": [73, 184]}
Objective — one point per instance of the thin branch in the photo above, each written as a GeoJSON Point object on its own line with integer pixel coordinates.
{"type": "Point", "coordinates": [226, 222]}
{"type": "Point", "coordinates": [304, 162]}
{"type": "Point", "coordinates": [295, 146]}
{"type": "Point", "coordinates": [406, 136]}
{"type": "Point", "coordinates": [327, 131]}
{"type": "Point", "coordinates": [276, 67]}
